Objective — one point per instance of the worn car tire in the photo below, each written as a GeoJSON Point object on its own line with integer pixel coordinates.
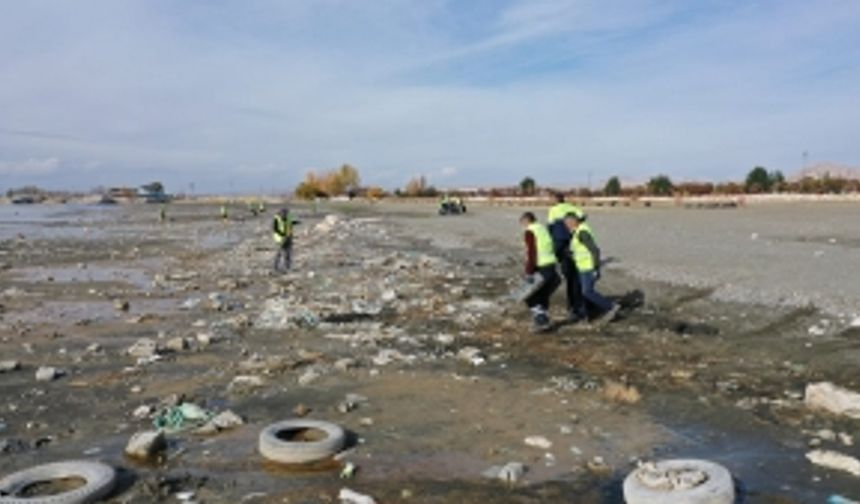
{"type": "Point", "coordinates": [298, 452]}
{"type": "Point", "coordinates": [719, 488]}
{"type": "Point", "coordinates": [99, 478]}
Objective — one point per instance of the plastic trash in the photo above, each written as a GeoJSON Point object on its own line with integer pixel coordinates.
{"type": "Point", "coordinates": [529, 286]}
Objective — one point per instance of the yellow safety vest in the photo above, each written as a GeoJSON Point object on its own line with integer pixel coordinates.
{"type": "Point", "coordinates": [283, 228]}
{"type": "Point", "coordinates": [543, 242]}
{"type": "Point", "coordinates": [581, 255]}
{"type": "Point", "coordinates": [560, 210]}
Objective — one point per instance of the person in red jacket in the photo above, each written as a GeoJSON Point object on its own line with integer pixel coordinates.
{"type": "Point", "coordinates": [540, 259]}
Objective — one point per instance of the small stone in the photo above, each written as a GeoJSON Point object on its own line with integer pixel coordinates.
{"type": "Point", "coordinates": [222, 421]}
{"type": "Point", "coordinates": [143, 412]}
{"type": "Point", "coordinates": [308, 377]}
{"type": "Point", "coordinates": [538, 442]}
{"type": "Point", "coordinates": [345, 364]}
{"type": "Point", "coordinates": [177, 344]}
{"type": "Point", "coordinates": [301, 410]}
{"type": "Point", "coordinates": [835, 460]}
{"type": "Point", "coordinates": [246, 381]}
{"type": "Point", "coordinates": [144, 348]}
{"type": "Point", "coordinates": [47, 373]}
{"type": "Point", "coordinates": [146, 445]}
{"type": "Point", "coordinates": [509, 473]}
{"type": "Point", "coordinates": [348, 496]}
{"type": "Point", "coordinates": [621, 393]}
{"type": "Point", "coordinates": [9, 365]}
{"type": "Point", "coordinates": [94, 348]}
{"type": "Point", "coordinates": [206, 338]}
{"type": "Point", "coordinates": [121, 305]}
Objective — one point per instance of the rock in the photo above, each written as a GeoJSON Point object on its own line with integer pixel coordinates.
{"type": "Point", "coordinates": [206, 338]}
{"type": "Point", "coordinates": [472, 355]}
{"type": "Point", "coordinates": [538, 442]}
{"type": "Point", "coordinates": [143, 412]}
{"type": "Point", "coordinates": [121, 305]}
{"type": "Point", "coordinates": [190, 304]}
{"type": "Point", "coordinates": [309, 376]}
{"type": "Point", "coordinates": [388, 296]}
{"type": "Point", "coordinates": [177, 344]}
{"type": "Point", "coordinates": [246, 382]}
{"type": "Point", "coordinates": [146, 445]}
{"type": "Point", "coordinates": [347, 496]}
{"type": "Point", "coordinates": [144, 348]}
{"type": "Point", "coordinates": [835, 460]}
{"type": "Point", "coordinates": [832, 398]}
{"type": "Point", "coordinates": [47, 373]}
{"type": "Point", "coordinates": [351, 402]}
{"type": "Point", "coordinates": [94, 348]}
{"type": "Point", "coordinates": [222, 421]}
{"type": "Point", "coordinates": [855, 323]}
{"type": "Point", "coordinates": [301, 410]}
{"type": "Point", "coordinates": [9, 365]}
{"type": "Point", "coordinates": [509, 473]}
{"type": "Point", "coordinates": [621, 393]}
{"type": "Point", "coordinates": [345, 364]}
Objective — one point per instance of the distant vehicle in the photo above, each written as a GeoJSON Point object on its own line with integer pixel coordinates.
{"type": "Point", "coordinates": [107, 200]}
{"type": "Point", "coordinates": [452, 208]}
{"type": "Point", "coordinates": [23, 200]}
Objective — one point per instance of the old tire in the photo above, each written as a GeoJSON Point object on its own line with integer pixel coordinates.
{"type": "Point", "coordinates": [718, 488]}
{"type": "Point", "coordinates": [275, 448]}
{"type": "Point", "coordinates": [99, 482]}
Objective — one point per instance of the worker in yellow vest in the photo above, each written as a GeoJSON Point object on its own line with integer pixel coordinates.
{"type": "Point", "coordinates": [561, 236]}
{"type": "Point", "coordinates": [540, 267]}
{"type": "Point", "coordinates": [282, 228]}
{"type": "Point", "coordinates": [586, 257]}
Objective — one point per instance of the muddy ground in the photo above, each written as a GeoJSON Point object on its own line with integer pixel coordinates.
{"type": "Point", "coordinates": [454, 379]}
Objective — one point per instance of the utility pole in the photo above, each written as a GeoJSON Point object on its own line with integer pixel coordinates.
{"type": "Point", "coordinates": [805, 159]}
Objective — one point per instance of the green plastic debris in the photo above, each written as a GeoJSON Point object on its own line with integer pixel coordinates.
{"type": "Point", "coordinates": [181, 417]}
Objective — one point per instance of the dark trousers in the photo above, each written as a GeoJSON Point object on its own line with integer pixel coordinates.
{"type": "Point", "coordinates": [588, 279]}
{"type": "Point", "coordinates": [540, 299]}
{"type": "Point", "coordinates": [575, 300]}
{"type": "Point", "coordinates": [284, 256]}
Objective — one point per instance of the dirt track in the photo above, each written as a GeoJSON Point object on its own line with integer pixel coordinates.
{"type": "Point", "coordinates": [719, 379]}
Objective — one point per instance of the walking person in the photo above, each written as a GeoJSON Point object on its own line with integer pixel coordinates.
{"type": "Point", "coordinates": [282, 228]}
{"type": "Point", "coordinates": [576, 307]}
{"type": "Point", "coordinates": [586, 256]}
{"type": "Point", "coordinates": [540, 259]}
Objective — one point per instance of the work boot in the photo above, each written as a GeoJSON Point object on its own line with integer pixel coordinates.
{"type": "Point", "coordinates": [541, 323]}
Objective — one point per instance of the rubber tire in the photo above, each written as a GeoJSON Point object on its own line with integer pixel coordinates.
{"type": "Point", "coordinates": [718, 489]}
{"type": "Point", "coordinates": [100, 480]}
{"type": "Point", "coordinates": [286, 452]}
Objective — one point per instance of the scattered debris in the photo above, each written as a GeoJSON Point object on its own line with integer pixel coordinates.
{"type": "Point", "coordinates": [538, 442]}
{"type": "Point", "coordinates": [348, 496]}
{"type": "Point", "coordinates": [832, 398]}
{"type": "Point", "coordinates": [835, 460]}
{"type": "Point", "coordinates": [48, 373]}
{"type": "Point", "coordinates": [511, 472]}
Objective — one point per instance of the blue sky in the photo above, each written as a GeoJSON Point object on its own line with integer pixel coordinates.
{"type": "Point", "coordinates": [244, 95]}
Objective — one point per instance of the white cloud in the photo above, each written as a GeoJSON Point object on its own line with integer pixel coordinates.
{"type": "Point", "coordinates": [30, 166]}
{"type": "Point", "coordinates": [255, 93]}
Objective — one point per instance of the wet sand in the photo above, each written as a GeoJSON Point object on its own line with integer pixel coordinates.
{"type": "Point", "coordinates": [720, 364]}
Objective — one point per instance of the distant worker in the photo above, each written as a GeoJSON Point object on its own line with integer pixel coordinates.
{"type": "Point", "coordinates": [162, 214]}
{"type": "Point", "coordinates": [576, 308]}
{"type": "Point", "coordinates": [540, 259]}
{"type": "Point", "coordinates": [282, 227]}
{"type": "Point", "coordinates": [444, 203]}
{"type": "Point", "coordinates": [223, 212]}
{"type": "Point", "coordinates": [261, 207]}
{"type": "Point", "coordinates": [252, 208]}
{"type": "Point", "coordinates": [586, 256]}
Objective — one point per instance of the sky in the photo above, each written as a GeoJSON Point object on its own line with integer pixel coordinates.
{"type": "Point", "coordinates": [249, 95]}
